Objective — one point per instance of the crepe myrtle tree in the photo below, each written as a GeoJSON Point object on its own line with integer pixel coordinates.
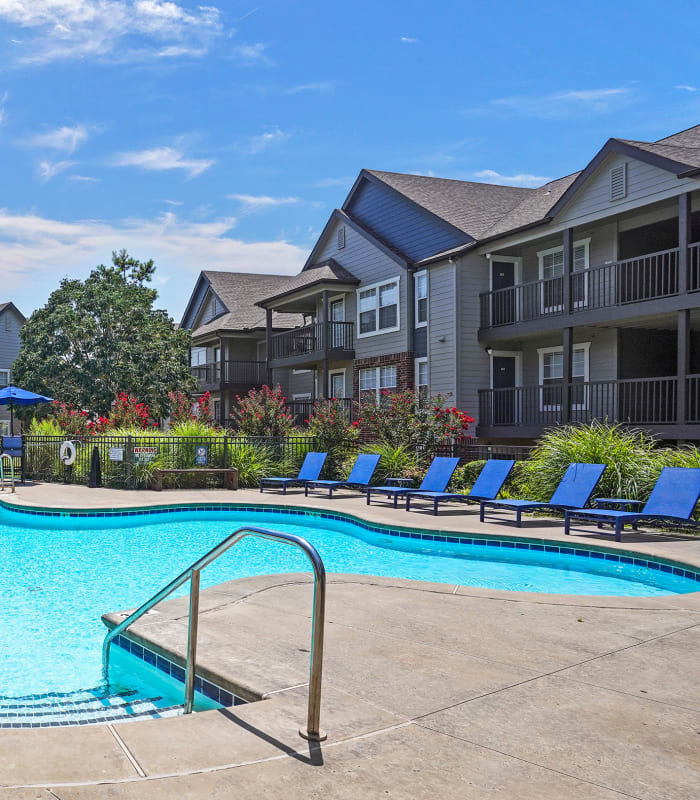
{"type": "Point", "coordinates": [98, 338]}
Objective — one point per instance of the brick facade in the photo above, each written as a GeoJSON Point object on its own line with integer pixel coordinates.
{"type": "Point", "coordinates": [404, 363]}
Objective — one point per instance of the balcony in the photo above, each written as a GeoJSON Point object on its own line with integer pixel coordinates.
{"type": "Point", "coordinates": [651, 403]}
{"type": "Point", "coordinates": [312, 343]}
{"type": "Point", "coordinates": [243, 374]}
{"type": "Point", "coordinates": [650, 277]}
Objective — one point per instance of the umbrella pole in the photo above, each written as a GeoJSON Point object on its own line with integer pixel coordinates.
{"type": "Point", "coordinates": [12, 418]}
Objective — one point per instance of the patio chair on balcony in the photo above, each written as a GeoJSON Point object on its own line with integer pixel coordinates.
{"type": "Point", "coordinates": [359, 477]}
{"type": "Point", "coordinates": [574, 491]}
{"type": "Point", "coordinates": [436, 479]}
{"type": "Point", "coordinates": [486, 487]}
{"type": "Point", "coordinates": [310, 470]}
{"type": "Point", "coordinates": [673, 499]}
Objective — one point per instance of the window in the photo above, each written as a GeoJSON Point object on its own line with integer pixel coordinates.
{"type": "Point", "coordinates": [375, 380]}
{"type": "Point", "coordinates": [4, 377]}
{"type": "Point", "coordinates": [378, 308]}
{"type": "Point", "coordinates": [422, 389]}
{"type": "Point", "coordinates": [421, 286]}
{"type": "Point", "coordinates": [552, 266]}
{"type": "Point", "coordinates": [618, 182]}
{"type": "Point", "coordinates": [552, 376]}
{"type": "Point", "coordinates": [4, 427]}
{"type": "Point", "coordinates": [198, 356]}
{"type": "Point", "coordinates": [217, 410]}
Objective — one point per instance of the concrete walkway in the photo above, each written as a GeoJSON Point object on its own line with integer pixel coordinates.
{"type": "Point", "coordinates": [430, 691]}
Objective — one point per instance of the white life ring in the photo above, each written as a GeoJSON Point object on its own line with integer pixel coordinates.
{"type": "Point", "coordinates": [68, 453]}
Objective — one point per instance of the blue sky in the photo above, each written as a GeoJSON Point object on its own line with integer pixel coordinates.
{"type": "Point", "coordinates": [222, 136]}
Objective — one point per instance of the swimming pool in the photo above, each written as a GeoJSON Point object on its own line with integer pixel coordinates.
{"type": "Point", "coordinates": [58, 574]}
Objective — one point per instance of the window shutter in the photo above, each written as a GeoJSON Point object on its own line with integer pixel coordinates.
{"type": "Point", "coordinates": [580, 258]}
{"type": "Point", "coordinates": [341, 237]}
{"type": "Point", "coordinates": [618, 182]}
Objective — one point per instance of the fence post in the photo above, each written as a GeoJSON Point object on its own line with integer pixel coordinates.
{"type": "Point", "coordinates": [129, 462]}
{"type": "Point", "coordinates": [225, 450]}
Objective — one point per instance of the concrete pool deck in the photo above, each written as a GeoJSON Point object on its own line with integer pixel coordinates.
{"type": "Point", "coordinates": [430, 690]}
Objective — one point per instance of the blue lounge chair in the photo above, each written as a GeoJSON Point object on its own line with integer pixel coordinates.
{"type": "Point", "coordinates": [359, 477]}
{"type": "Point", "coordinates": [574, 491]}
{"type": "Point", "coordinates": [672, 499]}
{"type": "Point", "coordinates": [486, 487]}
{"type": "Point", "coordinates": [310, 470]}
{"type": "Point", "coordinates": [436, 479]}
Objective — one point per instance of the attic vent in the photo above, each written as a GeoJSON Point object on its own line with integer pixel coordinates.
{"type": "Point", "coordinates": [341, 237]}
{"type": "Point", "coordinates": [618, 182]}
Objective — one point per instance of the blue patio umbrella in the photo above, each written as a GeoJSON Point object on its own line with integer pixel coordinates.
{"type": "Point", "coordinates": [14, 396]}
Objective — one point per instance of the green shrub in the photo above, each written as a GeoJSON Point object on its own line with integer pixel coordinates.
{"type": "Point", "coordinates": [632, 458]}
{"type": "Point", "coordinates": [395, 461]}
{"type": "Point", "coordinates": [253, 462]}
{"type": "Point", "coordinates": [464, 476]}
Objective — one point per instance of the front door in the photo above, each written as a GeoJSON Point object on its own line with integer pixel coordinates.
{"type": "Point", "coordinates": [337, 314]}
{"type": "Point", "coordinates": [503, 301]}
{"type": "Point", "coordinates": [337, 387]}
{"type": "Point", "coordinates": [504, 394]}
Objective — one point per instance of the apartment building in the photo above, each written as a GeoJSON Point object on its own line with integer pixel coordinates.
{"type": "Point", "coordinates": [11, 320]}
{"type": "Point", "coordinates": [529, 307]}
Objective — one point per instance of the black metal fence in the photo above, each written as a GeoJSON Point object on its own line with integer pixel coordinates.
{"type": "Point", "coordinates": [129, 461]}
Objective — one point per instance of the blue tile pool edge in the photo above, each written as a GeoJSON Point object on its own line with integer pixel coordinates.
{"type": "Point", "coordinates": [530, 543]}
{"type": "Point", "coordinates": [207, 688]}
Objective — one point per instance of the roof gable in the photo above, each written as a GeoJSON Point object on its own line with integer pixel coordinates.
{"type": "Point", "coordinates": [12, 308]}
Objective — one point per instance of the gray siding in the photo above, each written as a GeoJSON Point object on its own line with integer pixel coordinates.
{"type": "Point", "coordinates": [602, 354]}
{"type": "Point", "coordinates": [442, 356]}
{"type": "Point", "coordinates": [370, 265]}
{"type": "Point", "coordinates": [10, 325]}
{"type": "Point", "coordinates": [407, 227]}
{"type": "Point", "coordinates": [645, 184]}
{"type": "Point", "coordinates": [473, 363]}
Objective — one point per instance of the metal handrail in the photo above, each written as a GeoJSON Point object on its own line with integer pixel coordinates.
{"type": "Point", "coordinates": [4, 456]}
{"type": "Point", "coordinates": [313, 730]}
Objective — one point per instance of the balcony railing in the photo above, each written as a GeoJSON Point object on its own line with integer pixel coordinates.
{"type": "Point", "coordinates": [647, 277]}
{"type": "Point", "coordinates": [231, 373]}
{"type": "Point", "coordinates": [310, 340]}
{"type": "Point", "coordinates": [639, 401]}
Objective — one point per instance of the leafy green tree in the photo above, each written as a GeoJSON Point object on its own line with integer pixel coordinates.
{"type": "Point", "coordinates": [96, 338]}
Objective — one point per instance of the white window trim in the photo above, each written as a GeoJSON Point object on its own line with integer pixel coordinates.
{"type": "Point", "coordinates": [342, 372]}
{"type": "Point", "coordinates": [517, 355]}
{"type": "Point", "coordinates": [378, 376]}
{"type": "Point", "coordinates": [301, 371]}
{"type": "Point", "coordinates": [8, 374]}
{"type": "Point", "coordinates": [586, 347]}
{"type": "Point", "coordinates": [378, 332]}
{"type": "Point", "coordinates": [416, 275]}
{"type": "Point", "coordinates": [302, 396]}
{"type": "Point", "coordinates": [5, 427]}
{"type": "Point", "coordinates": [518, 271]}
{"type": "Point", "coordinates": [586, 243]}
{"type": "Point", "coordinates": [416, 385]}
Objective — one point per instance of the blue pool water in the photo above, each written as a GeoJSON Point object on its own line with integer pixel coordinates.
{"type": "Point", "coordinates": [59, 574]}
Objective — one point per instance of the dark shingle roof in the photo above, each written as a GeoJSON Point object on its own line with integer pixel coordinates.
{"type": "Point", "coordinates": [690, 137]}
{"type": "Point", "coordinates": [470, 206]}
{"type": "Point", "coordinates": [681, 154]}
{"type": "Point", "coordinates": [533, 208]}
{"type": "Point", "coordinates": [239, 292]}
{"type": "Point", "coordinates": [327, 272]}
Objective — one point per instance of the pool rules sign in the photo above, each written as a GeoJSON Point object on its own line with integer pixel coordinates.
{"type": "Point", "coordinates": [143, 454]}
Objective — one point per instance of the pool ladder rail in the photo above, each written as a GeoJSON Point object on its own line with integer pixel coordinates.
{"type": "Point", "coordinates": [313, 730]}
{"type": "Point", "coordinates": [3, 457]}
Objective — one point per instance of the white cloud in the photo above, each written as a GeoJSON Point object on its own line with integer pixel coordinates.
{"type": "Point", "coordinates": [521, 179]}
{"type": "Point", "coordinates": [3, 113]}
{"type": "Point", "coordinates": [259, 201]}
{"type": "Point", "coordinates": [49, 169]}
{"type": "Point", "coordinates": [331, 183]}
{"type": "Point", "coordinates": [163, 158]}
{"type": "Point", "coordinates": [118, 30]}
{"type": "Point", "coordinates": [687, 88]}
{"type": "Point", "coordinates": [565, 103]}
{"type": "Point", "coordinates": [251, 54]}
{"type": "Point", "coordinates": [317, 86]}
{"type": "Point", "coordinates": [409, 40]}
{"type": "Point", "coordinates": [65, 138]}
{"type": "Point", "coordinates": [31, 246]}
{"type": "Point", "coordinates": [264, 140]}
{"type": "Point", "coordinates": [83, 178]}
